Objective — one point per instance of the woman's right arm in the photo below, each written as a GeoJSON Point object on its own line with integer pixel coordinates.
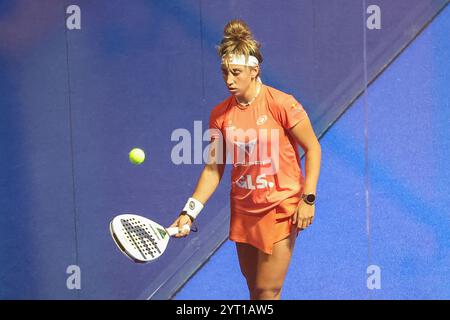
{"type": "Point", "coordinates": [212, 173]}
{"type": "Point", "coordinates": [208, 182]}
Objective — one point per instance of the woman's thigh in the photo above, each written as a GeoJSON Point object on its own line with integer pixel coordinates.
{"type": "Point", "coordinates": [271, 269]}
{"type": "Point", "coordinates": [262, 270]}
{"type": "Point", "coordinates": [248, 261]}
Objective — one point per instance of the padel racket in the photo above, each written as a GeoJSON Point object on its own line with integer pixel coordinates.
{"type": "Point", "coordinates": [140, 239]}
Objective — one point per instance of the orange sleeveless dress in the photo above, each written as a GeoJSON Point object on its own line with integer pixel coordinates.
{"type": "Point", "coordinates": [266, 177]}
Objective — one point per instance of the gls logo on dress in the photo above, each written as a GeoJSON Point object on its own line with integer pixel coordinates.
{"type": "Point", "coordinates": [261, 182]}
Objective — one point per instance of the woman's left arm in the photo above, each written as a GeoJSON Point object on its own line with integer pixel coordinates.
{"type": "Point", "coordinates": [303, 133]}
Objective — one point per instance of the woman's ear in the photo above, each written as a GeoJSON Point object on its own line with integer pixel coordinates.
{"type": "Point", "coordinates": [254, 71]}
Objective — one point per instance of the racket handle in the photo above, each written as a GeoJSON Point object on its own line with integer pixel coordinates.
{"type": "Point", "coordinates": [174, 230]}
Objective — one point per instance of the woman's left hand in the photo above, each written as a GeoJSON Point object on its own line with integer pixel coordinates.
{"type": "Point", "coordinates": [304, 215]}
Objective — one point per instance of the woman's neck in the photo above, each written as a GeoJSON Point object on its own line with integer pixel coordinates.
{"type": "Point", "coordinates": [249, 96]}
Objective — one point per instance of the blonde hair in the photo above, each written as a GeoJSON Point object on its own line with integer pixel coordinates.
{"type": "Point", "coordinates": [238, 39]}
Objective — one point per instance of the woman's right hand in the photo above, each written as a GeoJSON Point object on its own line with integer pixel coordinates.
{"type": "Point", "coordinates": [180, 222]}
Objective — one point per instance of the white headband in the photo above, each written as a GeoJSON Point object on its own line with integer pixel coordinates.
{"type": "Point", "coordinates": [240, 60]}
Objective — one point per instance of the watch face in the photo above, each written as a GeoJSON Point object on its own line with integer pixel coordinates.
{"type": "Point", "coordinates": [310, 197]}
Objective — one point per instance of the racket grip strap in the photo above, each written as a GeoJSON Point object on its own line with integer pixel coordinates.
{"type": "Point", "coordinates": [193, 207]}
{"type": "Point", "coordinates": [174, 230]}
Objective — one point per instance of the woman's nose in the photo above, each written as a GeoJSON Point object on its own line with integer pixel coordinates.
{"type": "Point", "coordinates": [229, 79]}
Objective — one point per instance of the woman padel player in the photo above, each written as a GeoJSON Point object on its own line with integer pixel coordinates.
{"type": "Point", "coordinates": [271, 201]}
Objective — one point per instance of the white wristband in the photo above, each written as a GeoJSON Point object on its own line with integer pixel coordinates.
{"type": "Point", "coordinates": [193, 207]}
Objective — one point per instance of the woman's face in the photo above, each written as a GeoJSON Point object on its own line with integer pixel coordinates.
{"type": "Point", "coordinates": [238, 78]}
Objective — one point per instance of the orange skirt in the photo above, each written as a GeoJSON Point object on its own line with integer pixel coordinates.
{"type": "Point", "coordinates": [262, 231]}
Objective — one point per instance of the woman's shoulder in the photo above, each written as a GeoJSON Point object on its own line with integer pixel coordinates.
{"type": "Point", "coordinates": [276, 97]}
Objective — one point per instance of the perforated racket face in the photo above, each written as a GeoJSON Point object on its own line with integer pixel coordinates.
{"type": "Point", "coordinates": [141, 239]}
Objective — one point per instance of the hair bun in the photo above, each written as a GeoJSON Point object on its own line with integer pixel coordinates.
{"type": "Point", "coordinates": [237, 30]}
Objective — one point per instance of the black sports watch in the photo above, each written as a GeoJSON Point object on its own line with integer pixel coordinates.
{"type": "Point", "coordinates": [309, 198]}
